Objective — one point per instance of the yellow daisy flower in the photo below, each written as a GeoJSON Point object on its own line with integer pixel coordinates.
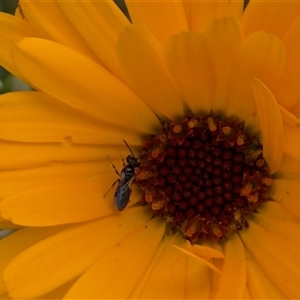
{"type": "Point", "coordinates": [202, 99]}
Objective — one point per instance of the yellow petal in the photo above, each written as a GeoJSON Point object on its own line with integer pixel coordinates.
{"type": "Point", "coordinates": [162, 18]}
{"type": "Point", "coordinates": [13, 30]}
{"type": "Point", "coordinates": [295, 110]}
{"type": "Point", "coordinates": [198, 280]}
{"type": "Point", "coordinates": [20, 155]}
{"type": "Point", "coordinates": [188, 58]}
{"type": "Point", "coordinates": [19, 241]}
{"type": "Point", "coordinates": [76, 194]}
{"type": "Point", "coordinates": [278, 258]}
{"type": "Point", "coordinates": [271, 125]}
{"type": "Point", "coordinates": [59, 292]}
{"type": "Point", "coordinates": [261, 56]}
{"type": "Point", "coordinates": [199, 259]}
{"type": "Point", "coordinates": [201, 11]}
{"type": "Point", "coordinates": [274, 210]}
{"type": "Point", "coordinates": [287, 90]}
{"type": "Point", "coordinates": [60, 258]}
{"type": "Point", "coordinates": [51, 22]}
{"type": "Point", "coordinates": [225, 37]}
{"type": "Point", "coordinates": [291, 140]}
{"type": "Point", "coordinates": [282, 228]}
{"type": "Point", "coordinates": [204, 251]}
{"type": "Point", "coordinates": [140, 54]}
{"type": "Point", "coordinates": [84, 85]}
{"type": "Point", "coordinates": [59, 204]}
{"type": "Point", "coordinates": [124, 264]}
{"type": "Point", "coordinates": [287, 192]}
{"type": "Point", "coordinates": [289, 117]}
{"type": "Point", "coordinates": [19, 180]}
{"type": "Point", "coordinates": [5, 297]}
{"type": "Point", "coordinates": [247, 294]}
{"type": "Point", "coordinates": [25, 155]}
{"type": "Point", "coordinates": [173, 277]}
{"type": "Point", "coordinates": [289, 168]}
{"type": "Point", "coordinates": [98, 21]}
{"type": "Point", "coordinates": [260, 285]}
{"type": "Point", "coordinates": [162, 272]}
{"type": "Point", "coordinates": [264, 15]}
{"type": "Point", "coordinates": [22, 112]}
{"type": "Point", "coordinates": [233, 270]}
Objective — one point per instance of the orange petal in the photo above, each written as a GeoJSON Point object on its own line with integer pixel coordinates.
{"type": "Point", "coordinates": [76, 195]}
{"type": "Point", "coordinates": [112, 275]}
{"type": "Point", "coordinates": [22, 112]}
{"type": "Point", "coordinates": [264, 15]}
{"type": "Point", "coordinates": [286, 192]}
{"type": "Point", "coordinates": [99, 94]}
{"type": "Point", "coordinates": [291, 140]}
{"type": "Point", "coordinates": [60, 204]}
{"type": "Point", "coordinates": [20, 155]}
{"type": "Point", "coordinates": [261, 56]}
{"type": "Point", "coordinates": [41, 13]}
{"type": "Point", "coordinates": [278, 258]}
{"type": "Point", "coordinates": [233, 270]}
{"type": "Point", "coordinates": [282, 228]}
{"type": "Point", "coordinates": [66, 249]}
{"type": "Point", "coordinates": [260, 285]}
{"type": "Point", "coordinates": [271, 125]}
{"type": "Point", "coordinates": [13, 30]}
{"type": "Point", "coordinates": [25, 155]}
{"type": "Point", "coordinates": [188, 58]}
{"type": "Point", "coordinates": [98, 21]}
{"type": "Point", "coordinates": [198, 280]}
{"type": "Point", "coordinates": [60, 292]}
{"type": "Point", "coordinates": [19, 241]}
{"type": "Point", "coordinates": [295, 111]}
{"type": "Point", "coordinates": [204, 251]}
{"type": "Point", "coordinates": [20, 180]}
{"type": "Point", "coordinates": [287, 90]}
{"type": "Point", "coordinates": [140, 54]}
{"type": "Point", "coordinates": [289, 168]}
{"type": "Point", "coordinates": [173, 275]}
{"type": "Point", "coordinates": [274, 210]}
{"type": "Point", "coordinates": [225, 37]}
{"type": "Point", "coordinates": [201, 11]}
{"type": "Point", "coordinates": [247, 294]}
{"type": "Point", "coordinates": [200, 259]}
{"type": "Point", "coordinates": [289, 116]}
{"type": "Point", "coordinates": [162, 18]}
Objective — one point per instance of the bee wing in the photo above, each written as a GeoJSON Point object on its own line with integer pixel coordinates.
{"type": "Point", "coordinates": [122, 177]}
{"type": "Point", "coordinates": [122, 195]}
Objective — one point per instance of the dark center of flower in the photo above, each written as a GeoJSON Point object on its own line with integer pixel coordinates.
{"type": "Point", "coordinates": [204, 175]}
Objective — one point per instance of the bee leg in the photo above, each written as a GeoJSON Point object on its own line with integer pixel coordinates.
{"type": "Point", "coordinates": [122, 158]}
{"type": "Point", "coordinates": [114, 166]}
{"type": "Point", "coordinates": [110, 188]}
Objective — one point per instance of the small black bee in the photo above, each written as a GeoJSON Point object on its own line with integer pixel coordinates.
{"type": "Point", "coordinates": [123, 191]}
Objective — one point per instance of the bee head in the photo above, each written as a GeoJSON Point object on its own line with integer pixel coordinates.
{"type": "Point", "coordinates": [133, 161]}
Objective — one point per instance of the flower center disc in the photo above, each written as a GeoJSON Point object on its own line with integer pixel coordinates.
{"type": "Point", "coordinates": [204, 176]}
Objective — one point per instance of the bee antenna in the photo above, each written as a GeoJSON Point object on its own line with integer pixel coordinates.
{"type": "Point", "coordinates": [128, 148]}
